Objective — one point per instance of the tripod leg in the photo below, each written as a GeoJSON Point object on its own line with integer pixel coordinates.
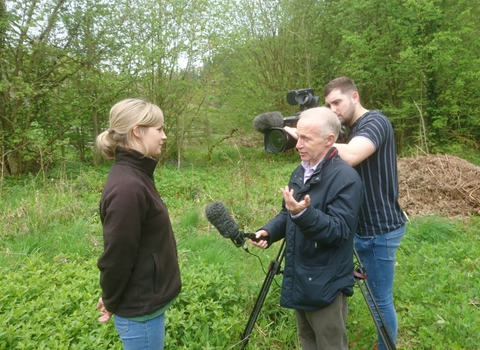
{"type": "Point", "coordinates": [360, 278]}
{"type": "Point", "coordinates": [273, 269]}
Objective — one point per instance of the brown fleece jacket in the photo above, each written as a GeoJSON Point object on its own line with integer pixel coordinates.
{"type": "Point", "coordinates": [139, 270]}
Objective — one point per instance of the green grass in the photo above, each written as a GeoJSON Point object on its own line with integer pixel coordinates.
{"type": "Point", "coordinates": [51, 237]}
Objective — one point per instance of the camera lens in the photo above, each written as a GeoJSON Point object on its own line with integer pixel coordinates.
{"type": "Point", "coordinates": [276, 140]}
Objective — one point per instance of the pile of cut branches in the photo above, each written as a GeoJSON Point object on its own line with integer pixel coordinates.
{"type": "Point", "coordinates": [439, 185]}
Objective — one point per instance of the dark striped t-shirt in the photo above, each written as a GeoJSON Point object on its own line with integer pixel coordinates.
{"type": "Point", "coordinates": [381, 212]}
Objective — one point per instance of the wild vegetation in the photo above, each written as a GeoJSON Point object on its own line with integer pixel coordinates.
{"type": "Point", "coordinates": [51, 238]}
{"type": "Point", "coordinates": [212, 66]}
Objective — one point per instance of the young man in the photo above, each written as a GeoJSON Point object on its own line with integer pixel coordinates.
{"type": "Point", "coordinates": [370, 149]}
{"type": "Point", "coordinates": [318, 221]}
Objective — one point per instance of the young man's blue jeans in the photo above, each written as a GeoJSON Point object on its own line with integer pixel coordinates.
{"type": "Point", "coordinates": [378, 254]}
{"type": "Point", "coordinates": [148, 335]}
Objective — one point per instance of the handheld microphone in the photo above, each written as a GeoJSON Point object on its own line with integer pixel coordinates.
{"type": "Point", "coordinates": [268, 120]}
{"type": "Point", "coordinates": [219, 217]}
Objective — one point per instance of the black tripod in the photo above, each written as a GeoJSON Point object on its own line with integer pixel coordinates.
{"type": "Point", "coordinates": [360, 278]}
{"type": "Point", "coordinates": [273, 269]}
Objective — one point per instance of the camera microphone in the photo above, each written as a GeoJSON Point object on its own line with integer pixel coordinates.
{"type": "Point", "coordinates": [219, 217]}
{"type": "Point", "coordinates": [268, 120]}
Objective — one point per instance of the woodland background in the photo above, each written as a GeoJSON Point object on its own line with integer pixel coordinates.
{"type": "Point", "coordinates": [213, 65]}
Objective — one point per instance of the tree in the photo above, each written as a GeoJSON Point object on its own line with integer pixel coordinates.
{"type": "Point", "coordinates": [265, 56]}
{"type": "Point", "coordinates": [36, 64]}
{"type": "Point", "coordinates": [63, 73]}
{"type": "Point", "coordinates": [403, 54]}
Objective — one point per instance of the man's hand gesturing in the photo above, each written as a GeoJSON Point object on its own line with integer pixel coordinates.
{"type": "Point", "coordinates": [291, 204]}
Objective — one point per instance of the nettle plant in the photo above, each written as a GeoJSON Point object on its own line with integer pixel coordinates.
{"type": "Point", "coordinates": [51, 305]}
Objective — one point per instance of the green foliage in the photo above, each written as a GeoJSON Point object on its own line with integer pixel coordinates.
{"type": "Point", "coordinates": [212, 66]}
{"type": "Point", "coordinates": [50, 283]}
{"type": "Point", "coordinates": [437, 284]}
{"type": "Point", "coordinates": [409, 59]}
{"type": "Point", "coordinates": [51, 305]}
{"type": "Point", "coordinates": [45, 215]}
{"type": "Point", "coordinates": [202, 313]}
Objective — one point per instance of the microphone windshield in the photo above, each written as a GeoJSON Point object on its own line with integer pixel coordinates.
{"type": "Point", "coordinates": [268, 120]}
{"type": "Point", "coordinates": [219, 217]}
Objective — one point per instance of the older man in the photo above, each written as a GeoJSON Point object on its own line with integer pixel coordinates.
{"type": "Point", "coordinates": [318, 220]}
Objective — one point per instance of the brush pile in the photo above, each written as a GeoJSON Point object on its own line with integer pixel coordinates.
{"type": "Point", "coordinates": [439, 185]}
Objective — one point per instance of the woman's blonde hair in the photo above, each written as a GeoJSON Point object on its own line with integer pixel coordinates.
{"type": "Point", "coordinates": [124, 116]}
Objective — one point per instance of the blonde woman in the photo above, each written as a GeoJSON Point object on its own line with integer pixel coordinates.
{"type": "Point", "coordinates": [139, 272]}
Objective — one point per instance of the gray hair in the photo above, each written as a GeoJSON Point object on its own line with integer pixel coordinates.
{"type": "Point", "coordinates": [328, 122]}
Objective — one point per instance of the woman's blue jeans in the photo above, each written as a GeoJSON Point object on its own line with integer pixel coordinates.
{"type": "Point", "coordinates": [148, 335]}
{"type": "Point", "coordinates": [378, 254]}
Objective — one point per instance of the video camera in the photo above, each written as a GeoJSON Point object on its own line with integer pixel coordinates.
{"type": "Point", "coordinates": [272, 124]}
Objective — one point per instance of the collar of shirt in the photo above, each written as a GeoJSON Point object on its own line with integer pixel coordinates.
{"type": "Point", "coordinates": [306, 175]}
{"type": "Point", "coordinates": [308, 171]}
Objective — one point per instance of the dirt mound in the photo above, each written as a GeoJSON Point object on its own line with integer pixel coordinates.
{"type": "Point", "coordinates": [439, 184]}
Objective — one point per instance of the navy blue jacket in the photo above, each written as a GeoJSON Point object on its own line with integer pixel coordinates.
{"type": "Point", "coordinates": [319, 243]}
